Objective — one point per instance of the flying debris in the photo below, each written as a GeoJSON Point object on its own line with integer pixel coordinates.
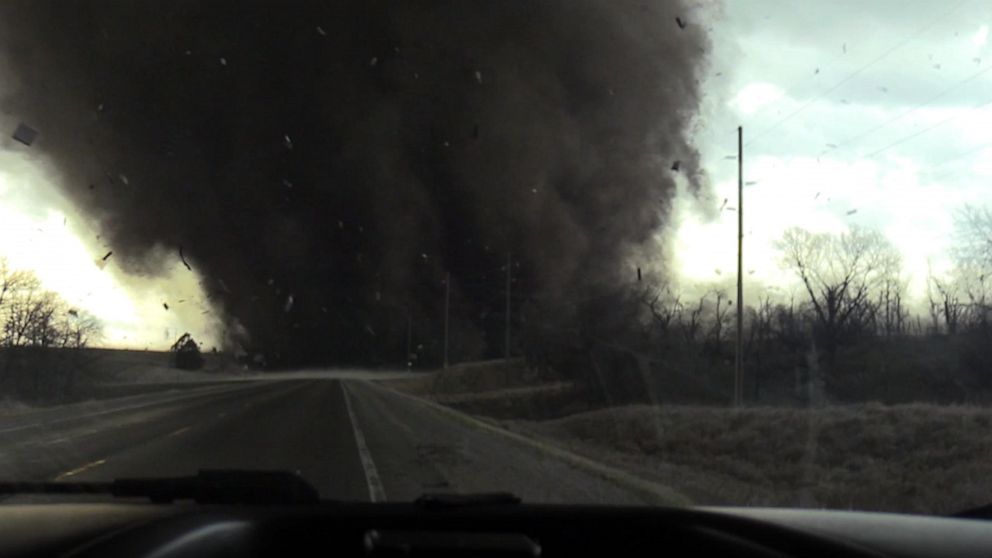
{"type": "Point", "coordinates": [478, 76]}
{"type": "Point", "coordinates": [183, 258]}
{"type": "Point", "coordinates": [852, 211]}
{"type": "Point", "coordinates": [165, 305]}
{"type": "Point", "coordinates": [680, 22]}
{"type": "Point", "coordinates": [750, 182]}
{"type": "Point", "coordinates": [74, 313]}
{"type": "Point", "coordinates": [844, 48]}
{"type": "Point", "coordinates": [223, 61]}
{"type": "Point", "coordinates": [724, 204]}
{"type": "Point", "coordinates": [638, 274]}
{"type": "Point", "coordinates": [287, 141]}
{"type": "Point", "coordinates": [676, 165]}
{"type": "Point", "coordinates": [816, 71]}
{"type": "Point", "coordinates": [107, 255]}
{"type": "Point", "coordinates": [289, 304]}
{"type": "Point", "coordinates": [123, 178]}
{"type": "Point", "coordinates": [321, 31]}
{"type": "Point", "coordinates": [374, 61]}
{"type": "Point", "coordinates": [817, 196]}
{"type": "Point", "coordinates": [717, 271]}
{"type": "Point", "coordinates": [25, 134]}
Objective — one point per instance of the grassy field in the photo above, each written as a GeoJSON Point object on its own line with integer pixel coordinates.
{"type": "Point", "coordinates": [907, 458]}
{"type": "Point", "coordinates": [917, 458]}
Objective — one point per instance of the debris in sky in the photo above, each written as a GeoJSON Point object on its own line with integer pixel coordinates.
{"type": "Point", "coordinates": [369, 329]}
{"type": "Point", "coordinates": [289, 304]}
{"type": "Point", "coordinates": [374, 61]}
{"type": "Point", "coordinates": [183, 258]}
{"type": "Point", "coordinates": [165, 305]}
{"type": "Point", "coordinates": [424, 256]}
{"type": "Point", "coordinates": [843, 48]}
{"type": "Point", "coordinates": [99, 108]}
{"type": "Point", "coordinates": [730, 158]}
{"type": "Point", "coordinates": [717, 271]}
{"type": "Point", "coordinates": [107, 255]}
{"type": "Point", "coordinates": [533, 190]}
{"type": "Point", "coordinates": [816, 71]}
{"type": "Point", "coordinates": [223, 61]}
{"type": "Point", "coordinates": [724, 204]}
{"type": "Point", "coordinates": [750, 182]}
{"type": "Point", "coordinates": [731, 208]}
{"type": "Point", "coordinates": [718, 74]}
{"type": "Point", "coordinates": [287, 183]}
{"type": "Point", "coordinates": [64, 220]}
{"type": "Point", "coordinates": [832, 145]}
{"type": "Point", "coordinates": [416, 75]}
{"type": "Point", "coordinates": [936, 66]}
{"type": "Point", "coordinates": [676, 165]}
{"type": "Point", "coordinates": [25, 134]}
{"type": "Point", "coordinates": [287, 141]}
{"type": "Point", "coordinates": [321, 31]}
{"type": "Point", "coordinates": [73, 312]}
{"type": "Point", "coordinates": [447, 144]}
{"type": "Point", "coordinates": [750, 272]}
{"type": "Point", "coordinates": [378, 296]}
{"type": "Point", "coordinates": [976, 60]}
{"type": "Point", "coordinates": [852, 211]}
{"type": "Point", "coordinates": [817, 196]}
{"type": "Point", "coordinates": [92, 186]}
{"type": "Point", "coordinates": [123, 178]}
{"type": "Point", "coordinates": [883, 89]}
{"type": "Point", "coordinates": [845, 102]}
{"type": "Point", "coordinates": [478, 76]}
{"type": "Point", "coordinates": [680, 22]}
{"type": "Point", "coordinates": [638, 274]}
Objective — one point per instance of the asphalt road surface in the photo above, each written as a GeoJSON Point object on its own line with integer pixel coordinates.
{"type": "Point", "coordinates": [351, 438]}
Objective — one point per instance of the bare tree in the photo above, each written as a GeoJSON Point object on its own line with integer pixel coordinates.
{"type": "Point", "coordinates": [839, 273]}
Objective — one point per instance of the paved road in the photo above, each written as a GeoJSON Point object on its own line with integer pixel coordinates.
{"type": "Point", "coordinates": [351, 438]}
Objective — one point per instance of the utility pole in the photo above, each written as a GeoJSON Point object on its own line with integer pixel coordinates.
{"type": "Point", "coordinates": [509, 262]}
{"type": "Point", "coordinates": [409, 340]}
{"type": "Point", "coordinates": [739, 360]}
{"type": "Point", "coordinates": [447, 306]}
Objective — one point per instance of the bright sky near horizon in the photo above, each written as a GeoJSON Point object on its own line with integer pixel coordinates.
{"type": "Point", "coordinates": [876, 114]}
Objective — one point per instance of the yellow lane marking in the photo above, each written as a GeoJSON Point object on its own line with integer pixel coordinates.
{"type": "Point", "coordinates": [86, 467]}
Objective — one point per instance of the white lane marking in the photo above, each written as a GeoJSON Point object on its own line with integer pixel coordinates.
{"type": "Point", "coordinates": [376, 491]}
{"type": "Point", "coordinates": [163, 401]}
{"type": "Point", "coordinates": [180, 431]}
{"type": "Point", "coordinates": [78, 470]}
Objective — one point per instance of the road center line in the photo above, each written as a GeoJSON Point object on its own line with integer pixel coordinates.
{"type": "Point", "coordinates": [376, 491]}
{"type": "Point", "coordinates": [75, 472]}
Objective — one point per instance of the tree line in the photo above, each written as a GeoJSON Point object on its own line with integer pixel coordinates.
{"type": "Point", "coordinates": [846, 332]}
{"type": "Point", "coordinates": [40, 337]}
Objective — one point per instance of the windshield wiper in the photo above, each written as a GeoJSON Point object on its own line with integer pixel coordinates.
{"type": "Point", "coordinates": [207, 487]}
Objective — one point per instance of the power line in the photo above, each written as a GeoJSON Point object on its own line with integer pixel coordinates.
{"type": "Point", "coordinates": [856, 73]}
{"type": "Point", "coordinates": [906, 138]}
{"type": "Point", "coordinates": [912, 110]}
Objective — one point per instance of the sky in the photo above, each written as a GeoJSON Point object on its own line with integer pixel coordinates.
{"type": "Point", "coordinates": [872, 114]}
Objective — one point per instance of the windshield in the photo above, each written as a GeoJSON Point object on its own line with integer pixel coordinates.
{"type": "Point", "coordinates": [651, 252]}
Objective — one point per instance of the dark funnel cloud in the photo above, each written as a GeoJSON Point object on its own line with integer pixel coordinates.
{"type": "Point", "coordinates": [322, 165]}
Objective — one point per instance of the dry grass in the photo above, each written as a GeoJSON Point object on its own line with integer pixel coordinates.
{"type": "Point", "coordinates": [908, 458]}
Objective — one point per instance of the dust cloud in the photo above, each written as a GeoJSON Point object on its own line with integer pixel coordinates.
{"type": "Point", "coordinates": [323, 165]}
